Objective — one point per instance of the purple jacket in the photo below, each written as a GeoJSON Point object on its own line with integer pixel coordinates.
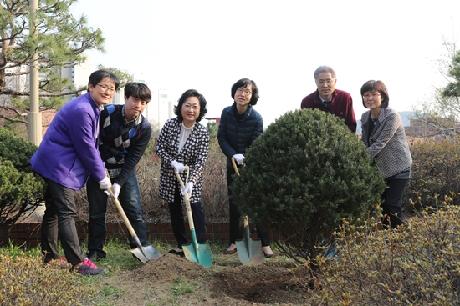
{"type": "Point", "coordinates": [68, 153]}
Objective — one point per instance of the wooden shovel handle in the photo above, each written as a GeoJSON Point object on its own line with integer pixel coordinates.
{"type": "Point", "coordinates": [235, 167]}
{"type": "Point", "coordinates": [188, 207]}
{"type": "Point", "coordinates": [245, 217]}
{"type": "Point", "coordinates": [123, 214]}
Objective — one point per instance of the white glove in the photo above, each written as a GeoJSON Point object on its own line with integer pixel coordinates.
{"type": "Point", "coordinates": [116, 190]}
{"type": "Point", "coordinates": [179, 167]}
{"type": "Point", "coordinates": [238, 158]}
{"type": "Point", "coordinates": [187, 189]}
{"type": "Point", "coordinates": [105, 183]}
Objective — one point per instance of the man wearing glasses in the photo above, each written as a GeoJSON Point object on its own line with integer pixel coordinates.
{"type": "Point", "coordinates": [67, 156]}
{"type": "Point", "coordinates": [329, 99]}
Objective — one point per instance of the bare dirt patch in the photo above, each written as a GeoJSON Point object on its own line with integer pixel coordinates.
{"type": "Point", "coordinates": [226, 283]}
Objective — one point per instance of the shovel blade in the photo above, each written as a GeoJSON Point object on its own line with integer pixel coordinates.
{"type": "Point", "coordinates": [250, 251]}
{"type": "Point", "coordinates": [201, 254]}
{"type": "Point", "coordinates": [145, 254]}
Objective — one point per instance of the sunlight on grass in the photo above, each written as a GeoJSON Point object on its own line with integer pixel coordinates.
{"type": "Point", "coordinates": [19, 250]}
{"type": "Point", "coordinates": [181, 287]}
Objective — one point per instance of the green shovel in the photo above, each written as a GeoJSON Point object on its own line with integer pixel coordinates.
{"type": "Point", "coordinates": [249, 250]}
{"type": "Point", "coordinates": [195, 252]}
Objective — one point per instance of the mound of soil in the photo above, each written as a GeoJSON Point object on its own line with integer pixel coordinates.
{"type": "Point", "coordinates": [167, 268]}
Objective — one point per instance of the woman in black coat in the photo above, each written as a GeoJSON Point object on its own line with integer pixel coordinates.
{"type": "Point", "coordinates": [240, 124]}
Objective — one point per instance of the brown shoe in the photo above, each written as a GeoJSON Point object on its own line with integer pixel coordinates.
{"type": "Point", "coordinates": [231, 249]}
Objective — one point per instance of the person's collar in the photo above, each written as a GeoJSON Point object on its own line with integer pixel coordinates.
{"type": "Point", "coordinates": [135, 120]}
{"type": "Point", "coordinates": [235, 110]}
{"type": "Point", "coordinates": [187, 128]}
{"type": "Point", "coordinates": [324, 100]}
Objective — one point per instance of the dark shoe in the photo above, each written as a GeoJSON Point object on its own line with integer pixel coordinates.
{"type": "Point", "coordinates": [177, 251]}
{"type": "Point", "coordinates": [96, 256]}
{"type": "Point", "coordinates": [231, 249]}
{"type": "Point", "coordinates": [267, 250]}
{"type": "Point", "coordinates": [87, 267]}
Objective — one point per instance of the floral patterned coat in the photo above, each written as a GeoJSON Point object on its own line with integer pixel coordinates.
{"type": "Point", "coordinates": [193, 154]}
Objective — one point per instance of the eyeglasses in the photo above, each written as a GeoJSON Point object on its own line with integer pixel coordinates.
{"type": "Point", "coordinates": [368, 95]}
{"type": "Point", "coordinates": [106, 88]}
{"type": "Point", "coordinates": [326, 81]}
{"type": "Point", "coordinates": [244, 91]}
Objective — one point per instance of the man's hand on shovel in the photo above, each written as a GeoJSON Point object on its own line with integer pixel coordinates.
{"type": "Point", "coordinates": [116, 190]}
{"type": "Point", "coordinates": [113, 190]}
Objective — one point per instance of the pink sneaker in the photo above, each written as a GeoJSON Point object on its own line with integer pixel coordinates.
{"type": "Point", "coordinates": [87, 267]}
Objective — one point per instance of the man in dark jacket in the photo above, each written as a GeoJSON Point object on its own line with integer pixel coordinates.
{"type": "Point", "coordinates": [330, 99]}
{"type": "Point", "coordinates": [240, 124]}
{"type": "Point", "coordinates": [124, 136]}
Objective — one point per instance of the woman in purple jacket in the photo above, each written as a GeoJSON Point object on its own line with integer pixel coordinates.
{"type": "Point", "coordinates": [67, 156]}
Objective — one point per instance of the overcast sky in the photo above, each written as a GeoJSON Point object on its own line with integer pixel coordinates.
{"type": "Point", "coordinates": [210, 44]}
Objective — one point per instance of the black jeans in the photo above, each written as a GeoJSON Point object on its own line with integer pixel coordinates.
{"type": "Point", "coordinates": [59, 222]}
{"type": "Point", "coordinates": [235, 227]}
{"type": "Point", "coordinates": [392, 201]}
{"type": "Point", "coordinates": [130, 200]}
{"type": "Point", "coordinates": [177, 220]}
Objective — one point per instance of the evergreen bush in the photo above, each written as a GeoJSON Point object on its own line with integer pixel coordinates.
{"type": "Point", "coordinates": [303, 175]}
{"type": "Point", "coordinates": [16, 150]}
{"type": "Point", "coordinates": [20, 190]}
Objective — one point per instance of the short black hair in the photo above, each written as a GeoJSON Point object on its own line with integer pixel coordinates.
{"type": "Point", "coordinates": [98, 75]}
{"type": "Point", "coordinates": [187, 94]}
{"type": "Point", "coordinates": [138, 91]}
{"type": "Point", "coordinates": [379, 86]}
{"type": "Point", "coordinates": [244, 83]}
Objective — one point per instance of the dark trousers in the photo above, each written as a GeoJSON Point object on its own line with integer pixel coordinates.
{"type": "Point", "coordinates": [59, 222]}
{"type": "Point", "coordinates": [177, 220]}
{"type": "Point", "coordinates": [392, 201]}
{"type": "Point", "coordinates": [235, 226]}
{"type": "Point", "coordinates": [130, 200]}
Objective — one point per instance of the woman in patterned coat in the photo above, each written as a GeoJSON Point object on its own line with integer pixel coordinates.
{"type": "Point", "coordinates": [385, 139]}
{"type": "Point", "coordinates": [184, 141]}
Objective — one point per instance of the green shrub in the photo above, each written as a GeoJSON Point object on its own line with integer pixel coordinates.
{"type": "Point", "coordinates": [16, 150]}
{"type": "Point", "coordinates": [304, 174]}
{"type": "Point", "coordinates": [20, 190]}
{"type": "Point", "coordinates": [417, 264]}
{"type": "Point", "coordinates": [435, 173]}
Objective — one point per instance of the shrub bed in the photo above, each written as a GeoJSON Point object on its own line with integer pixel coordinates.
{"type": "Point", "coordinates": [417, 264]}
{"type": "Point", "coordinates": [435, 173]}
{"type": "Point", "coordinates": [20, 190]}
